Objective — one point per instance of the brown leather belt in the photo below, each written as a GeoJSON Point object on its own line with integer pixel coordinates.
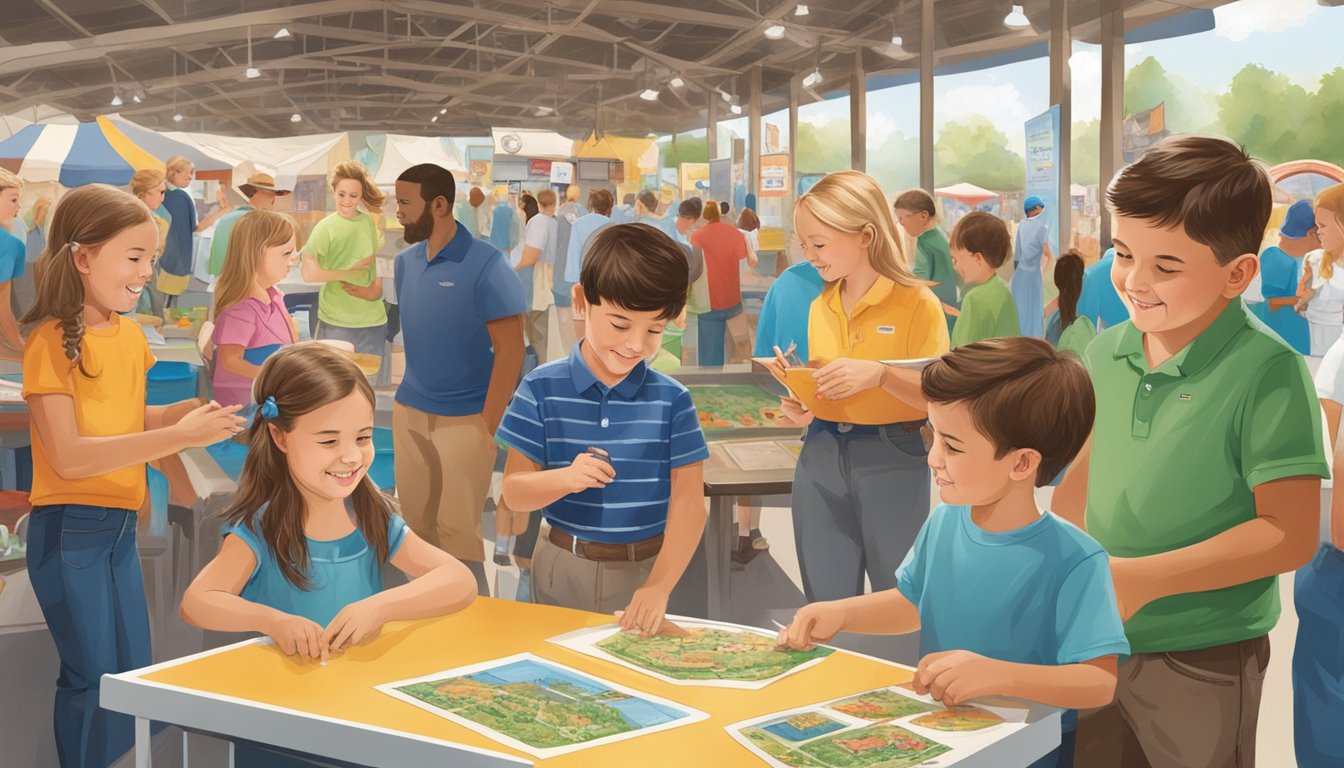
{"type": "Point", "coordinates": [606, 553]}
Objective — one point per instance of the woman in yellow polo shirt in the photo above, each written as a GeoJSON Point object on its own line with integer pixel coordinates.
{"type": "Point", "coordinates": [861, 489]}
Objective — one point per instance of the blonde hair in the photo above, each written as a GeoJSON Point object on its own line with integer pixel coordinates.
{"type": "Point", "coordinates": [251, 236]}
{"type": "Point", "coordinates": [711, 212]}
{"type": "Point", "coordinates": [176, 164]}
{"type": "Point", "coordinates": [9, 181]}
{"type": "Point", "coordinates": [86, 217]}
{"type": "Point", "coordinates": [353, 170]}
{"type": "Point", "coordinates": [1332, 200]}
{"type": "Point", "coordinates": [145, 180]}
{"type": "Point", "coordinates": [852, 202]}
{"type": "Point", "coordinates": [573, 193]}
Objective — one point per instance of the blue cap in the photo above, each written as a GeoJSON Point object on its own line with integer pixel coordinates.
{"type": "Point", "coordinates": [1298, 221]}
{"type": "Point", "coordinates": [1032, 201]}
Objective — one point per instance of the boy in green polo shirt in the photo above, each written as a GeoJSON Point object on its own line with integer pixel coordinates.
{"type": "Point", "coordinates": [980, 244]}
{"type": "Point", "coordinates": [1202, 476]}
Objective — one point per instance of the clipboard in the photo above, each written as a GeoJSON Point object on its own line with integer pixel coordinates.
{"type": "Point", "coordinates": [862, 408]}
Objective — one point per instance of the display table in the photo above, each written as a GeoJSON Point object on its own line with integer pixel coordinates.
{"type": "Point", "coordinates": [251, 691]}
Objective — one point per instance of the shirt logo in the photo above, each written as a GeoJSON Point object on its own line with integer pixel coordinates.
{"type": "Point", "coordinates": [1185, 396]}
{"type": "Point", "coordinates": [886, 330]}
{"type": "Point", "coordinates": [447, 284]}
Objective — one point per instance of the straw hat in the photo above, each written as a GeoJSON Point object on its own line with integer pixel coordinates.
{"type": "Point", "coordinates": [261, 181]}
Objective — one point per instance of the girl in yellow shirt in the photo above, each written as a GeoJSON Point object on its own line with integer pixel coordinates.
{"type": "Point", "coordinates": [84, 367]}
{"type": "Point", "coordinates": [861, 489]}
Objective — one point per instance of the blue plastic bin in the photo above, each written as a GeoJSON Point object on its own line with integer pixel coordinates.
{"type": "Point", "coordinates": [170, 383]}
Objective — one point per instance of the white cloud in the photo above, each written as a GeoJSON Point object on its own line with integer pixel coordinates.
{"type": "Point", "coordinates": [880, 128]}
{"type": "Point", "coordinates": [1238, 21]}
{"type": "Point", "coordinates": [1085, 79]}
{"type": "Point", "coordinates": [1000, 104]}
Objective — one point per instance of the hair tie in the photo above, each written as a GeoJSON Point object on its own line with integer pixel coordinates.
{"type": "Point", "coordinates": [269, 410]}
{"type": "Point", "coordinates": [72, 245]}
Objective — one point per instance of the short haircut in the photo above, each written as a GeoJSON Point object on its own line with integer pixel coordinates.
{"type": "Point", "coordinates": [629, 199]}
{"type": "Point", "coordinates": [724, 207]}
{"type": "Point", "coordinates": [434, 180]}
{"type": "Point", "coordinates": [649, 199]}
{"type": "Point", "coordinates": [690, 207]}
{"type": "Point", "coordinates": [1022, 393]}
{"type": "Point", "coordinates": [8, 180]}
{"type": "Point", "coordinates": [916, 200]}
{"type": "Point", "coordinates": [600, 201]}
{"type": "Point", "coordinates": [546, 197]}
{"type": "Point", "coordinates": [985, 234]}
{"type": "Point", "coordinates": [748, 220]}
{"type": "Point", "coordinates": [637, 267]}
{"type": "Point", "coordinates": [1208, 186]}
{"type": "Point", "coordinates": [711, 212]}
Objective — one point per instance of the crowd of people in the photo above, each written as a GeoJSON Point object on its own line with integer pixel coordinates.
{"type": "Point", "coordinates": [1141, 602]}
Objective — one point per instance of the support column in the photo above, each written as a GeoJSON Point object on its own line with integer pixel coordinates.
{"type": "Point", "coordinates": [1112, 103]}
{"type": "Point", "coordinates": [858, 115]}
{"type": "Point", "coordinates": [1061, 93]}
{"type": "Point", "coordinates": [794, 92]}
{"type": "Point", "coordinates": [712, 124]}
{"type": "Point", "coordinates": [926, 45]}
{"type": "Point", "coordinates": [754, 128]}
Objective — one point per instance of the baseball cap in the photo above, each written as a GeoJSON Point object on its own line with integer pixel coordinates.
{"type": "Point", "coordinates": [1032, 201]}
{"type": "Point", "coordinates": [1298, 221]}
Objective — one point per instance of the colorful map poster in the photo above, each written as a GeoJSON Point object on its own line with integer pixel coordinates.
{"type": "Point", "coordinates": [894, 728]}
{"type": "Point", "coordinates": [539, 706]}
{"type": "Point", "coordinates": [710, 653]}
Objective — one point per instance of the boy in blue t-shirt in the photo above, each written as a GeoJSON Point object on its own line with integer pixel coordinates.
{"type": "Point", "coordinates": [1008, 601]}
{"type": "Point", "coordinates": [608, 449]}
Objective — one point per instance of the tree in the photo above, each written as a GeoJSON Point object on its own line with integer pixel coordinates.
{"type": "Point", "coordinates": [1086, 161]}
{"type": "Point", "coordinates": [895, 162]}
{"type": "Point", "coordinates": [1267, 113]}
{"type": "Point", "coordinates": [688, 149]}
{"type": "Point", "coordinates": [1188, 109]}
{"type": "Point", "coordinates": [1325, 115]}
{"type": "Point", "coordinates": [977, 152]}
{"type": "Point", "coordinates": [823, 147]}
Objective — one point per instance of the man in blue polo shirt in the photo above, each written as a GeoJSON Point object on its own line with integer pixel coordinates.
{"type": "Point", "coordinates": [462, 318]}
{"type": "Point", "coordinates": [607, 448]}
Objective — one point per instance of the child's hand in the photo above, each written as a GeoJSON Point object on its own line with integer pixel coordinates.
{"type": "Point", "coordinates": [587, 471]}
{"type": "Point", "coordinates": [818, 622]}
{"type": "Point", "coordinates": [355, 623]}
{"type": "Point", "coordinates": [297, 636]}
{"type": "Point", "coordinates": [847, 376]}
{"type": "Point", "coordinates": [210, 423]}
{"type": "Point", "coordinates": [956, 677]}
{"type": "Point", "coordinates": [365, 292]}
{"type": "Point", "coordinates": [794, 412]}
{"type": "Point", "coordinates": [645, 612]}
{"type": "Point", "coordinates": [363, 263]}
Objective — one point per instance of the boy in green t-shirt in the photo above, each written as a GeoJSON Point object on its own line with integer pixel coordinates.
{"type": "Point", "coordinates": [980, 244]}
{"type": "Point", "coordinates": [1202, 476]}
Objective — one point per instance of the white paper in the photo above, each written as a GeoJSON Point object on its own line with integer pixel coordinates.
{"type": "Point", "coordinates": [842, 719]}
{"type": "Point", "coordinates": [586, 641]}
{"type": "Point", "coordinates": [661, 713]}
{"type": "Point", "coordinates": [760, 456]}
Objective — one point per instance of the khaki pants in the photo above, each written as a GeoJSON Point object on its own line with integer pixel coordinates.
{"type": "Point", "coordinates": [538, 332]}
{"type": "Point", "coordinates": [564, 319]}
{"type": "Point", "coordinates": [559, 577]}
{"type": "Point", "coordinates": [1192, 709]}
{"type": "Point", "coordinates": [443, 466]}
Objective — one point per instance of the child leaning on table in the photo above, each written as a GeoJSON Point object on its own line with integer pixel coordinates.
{"type": "Point", "coordinates": [1008, 601]}
{"type": "Point", "coordinates": [607, 448]}
{"type": "Point", "coordinates": [309, 533]}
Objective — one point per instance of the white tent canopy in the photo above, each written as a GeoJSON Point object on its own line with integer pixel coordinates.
{"type": "Point", "coordinates": [287, 158]}
{"type": "Point", "coordinates": [532, 143]}
{"type": "Point", "coordinates": [401, 152]}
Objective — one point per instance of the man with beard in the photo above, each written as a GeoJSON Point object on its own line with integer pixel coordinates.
{"type": "Point", "coordinates": [462, 314]}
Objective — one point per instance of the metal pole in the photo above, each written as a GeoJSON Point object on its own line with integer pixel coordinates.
{"type": "Point", "coordinates": [858, 115]}
{"type": "Point", "coordinates": [1061, 93]}
{"type": "Point", "coordinates": [1112, 103]}
{"type": "Point", "coordinates": [754, 128]}
{"type": "Point", "coordinates": [926, 45]}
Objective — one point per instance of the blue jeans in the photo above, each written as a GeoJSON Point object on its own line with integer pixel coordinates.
{"type": "Point", "coordinates": [85, 570]}
{"type": "Point", "coordinates": [712, 326]}
{"type": "Point", "coordinates": [1318, 660]}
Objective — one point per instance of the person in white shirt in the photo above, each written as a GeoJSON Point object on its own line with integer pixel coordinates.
{"type": "Point", "coordinates": [539, 259]}
{"type": "Point", "coordinates": [1322, 292]}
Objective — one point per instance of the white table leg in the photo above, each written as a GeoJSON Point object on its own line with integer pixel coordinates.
{"type": "Point", "coordinates": [144, 748]}
{"type": "Point", "coordinates": [186, 755]}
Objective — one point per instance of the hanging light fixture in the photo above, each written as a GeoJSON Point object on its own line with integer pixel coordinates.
{"type": "Point", "coordinates": [296, 118]}
{"type": "Point", "coordinates": [1016, 19]}
{"type": "Point", "coordinates": [138, 96]}
{"type": "Point", "coordinates": [649, 94]}
{"type": "Point", "coordinates": [443, 111]}
{"type": "Point", "coordinates": [735, 109]}
{"type": "Point", "coordinates": [801, 10]}
{"type": "Point", "coordinates": [252, 72]}
{"type": "Point", "coordinates": [676, 82]}
{"type": "Point", "coordinates": [116, 98]}
{"type": "Point", "coordinates": [283, 34]}
{"type": "Point", "coordinates": [177, 118]}
{"type": "Point", "coordinates": [813, 78]}
{"type": "Point", "coordinates": [775, 31]}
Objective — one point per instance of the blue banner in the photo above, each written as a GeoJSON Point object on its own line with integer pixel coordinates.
{"type": "Point", "coordinates": [1043, 168]}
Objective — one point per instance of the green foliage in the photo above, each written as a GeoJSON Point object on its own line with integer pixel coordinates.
{"type": "Point", "coordinates": [823, 147]}
{"type": "Point", "coordinates": [688, 149]}
{"type": "Point", "coordinates": [1086, 161]}
{"type": "Point", "coordinates": [1188, 108]}
{"type": "Point", "coordinates": [977, 152]}
{"type": "Point", "coordinates": [895, 162]}
{"type": "Point", "coordinates": [1269, 114]}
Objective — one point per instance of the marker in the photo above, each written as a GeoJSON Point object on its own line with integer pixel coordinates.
{"type": "Point", "coordinates": [600, 454]}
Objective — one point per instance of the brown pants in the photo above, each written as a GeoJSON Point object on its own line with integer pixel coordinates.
{"type": "Point", "coordinates": [559, 577]}
{"type": "Point", "coordinates": [443, 466]}
{"type": "Point", "coordinates": [1190, 709]}
{"type": "Point", "coordinates": [538, 332]}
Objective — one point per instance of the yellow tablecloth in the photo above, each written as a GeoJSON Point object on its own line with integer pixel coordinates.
{"type": "Point", "coordinates": [492, 629]}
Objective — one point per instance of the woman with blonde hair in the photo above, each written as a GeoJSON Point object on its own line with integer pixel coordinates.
{"type": "Point", "coordinates": [149, 185]}
{"type": "Point", "coordinates": [861, 489]}
{"type": "Point", "coordinates": [342, 252]}
{"type": "Point", "coordinates": [1321, 290]}
{"type": "Point", "coordinates": [178, 259]}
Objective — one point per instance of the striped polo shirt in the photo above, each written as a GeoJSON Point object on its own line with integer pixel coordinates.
{"type": "Point", "coordinates": [646, 423]}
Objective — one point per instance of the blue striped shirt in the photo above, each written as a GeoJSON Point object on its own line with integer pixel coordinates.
{"type": "Point", "coordinates": [647, 424]}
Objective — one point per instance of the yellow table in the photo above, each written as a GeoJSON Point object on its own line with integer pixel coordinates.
{"type": "Point", "coordinates": [252, 691]}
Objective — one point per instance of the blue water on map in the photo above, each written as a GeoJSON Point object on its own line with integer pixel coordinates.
{"type": "Point", "coordinates": [644, 714]}
{"type": "Point", "coordinates": [532, 672]}
{"type": "Point", "coordinates": [783, 730]}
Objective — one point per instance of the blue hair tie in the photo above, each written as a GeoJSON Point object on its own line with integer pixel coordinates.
{"type": "Point", "coordinates": [269, 410]}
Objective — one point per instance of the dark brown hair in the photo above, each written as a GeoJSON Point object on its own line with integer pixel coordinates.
{"type": "Point", "coordinates": [600, 201]}
{"type": "Point", "coordinates": [1069, 281]}
{"type": "Point", "coordinates": [1206, 185]}
{"type": "Point", "coordinates": [637, 267]}
{"type": "Point", "coordinates": [1022, 393]}
{"type": "Point", "coordinates": [916, 200]}
{"type": "Point", "coordinates": [529, 205]}
{"type": "Point", "coordinates": [302, 378]}
{"type": "Point", "coordinates": [985, 234]}
{"type": "Point", "coordinates": [649, 199]}
{"type": "Point", "coordinates": [748, 220]}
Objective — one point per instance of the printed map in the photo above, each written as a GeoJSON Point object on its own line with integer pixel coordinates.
{"type": "Point", "coordinates": [958, 719]}
{"type": "Point", "coordinates": [709, 654]}
{"type": "Point", "coordinates": [874, 746]}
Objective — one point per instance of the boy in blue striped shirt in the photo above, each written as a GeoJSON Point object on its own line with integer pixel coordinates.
{"type": "Point", "coordinates": [607, 448]}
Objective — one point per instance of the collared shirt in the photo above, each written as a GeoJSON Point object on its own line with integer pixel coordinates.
{"type": "Point", "coordinates": [584, 228]}
{"type": "Point", "coordinates": [890, 322]}
{"type": "Point", "coordinates": [933, 262]}
{"type": "Point", "coordinates": [780, 323]}
{"type": "Point", "coordinates": [12, 253]}
{"type": "Point", "coordinates": [646, 423]}
{"type": "Point", "coordinates": [219, 241]}
{"type": "Point", "coordinates": [1177, 452]}
{"type": "Point", "coordinates": [1033, 235]}
{"type": "Point", "coordinates": [565, 216]}
{"type": "Point", "coordinates": [177, 254]}
{"type": "Point", "coordinates": [260, 328]}
{"type": "Point", "coordinates": [1099, 300]}
{"type": "Point", "coordinates": [988, 311]}
{"type": "Point", "coordinates": [445, 304]}
{"type": "Point", "coordinates": [1280, 275]}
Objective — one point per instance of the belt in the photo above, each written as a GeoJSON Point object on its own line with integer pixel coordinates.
{"type": "Point", "coordinates": [844, 428]}
{"type": "Point", "coordinates": [599, 552]}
